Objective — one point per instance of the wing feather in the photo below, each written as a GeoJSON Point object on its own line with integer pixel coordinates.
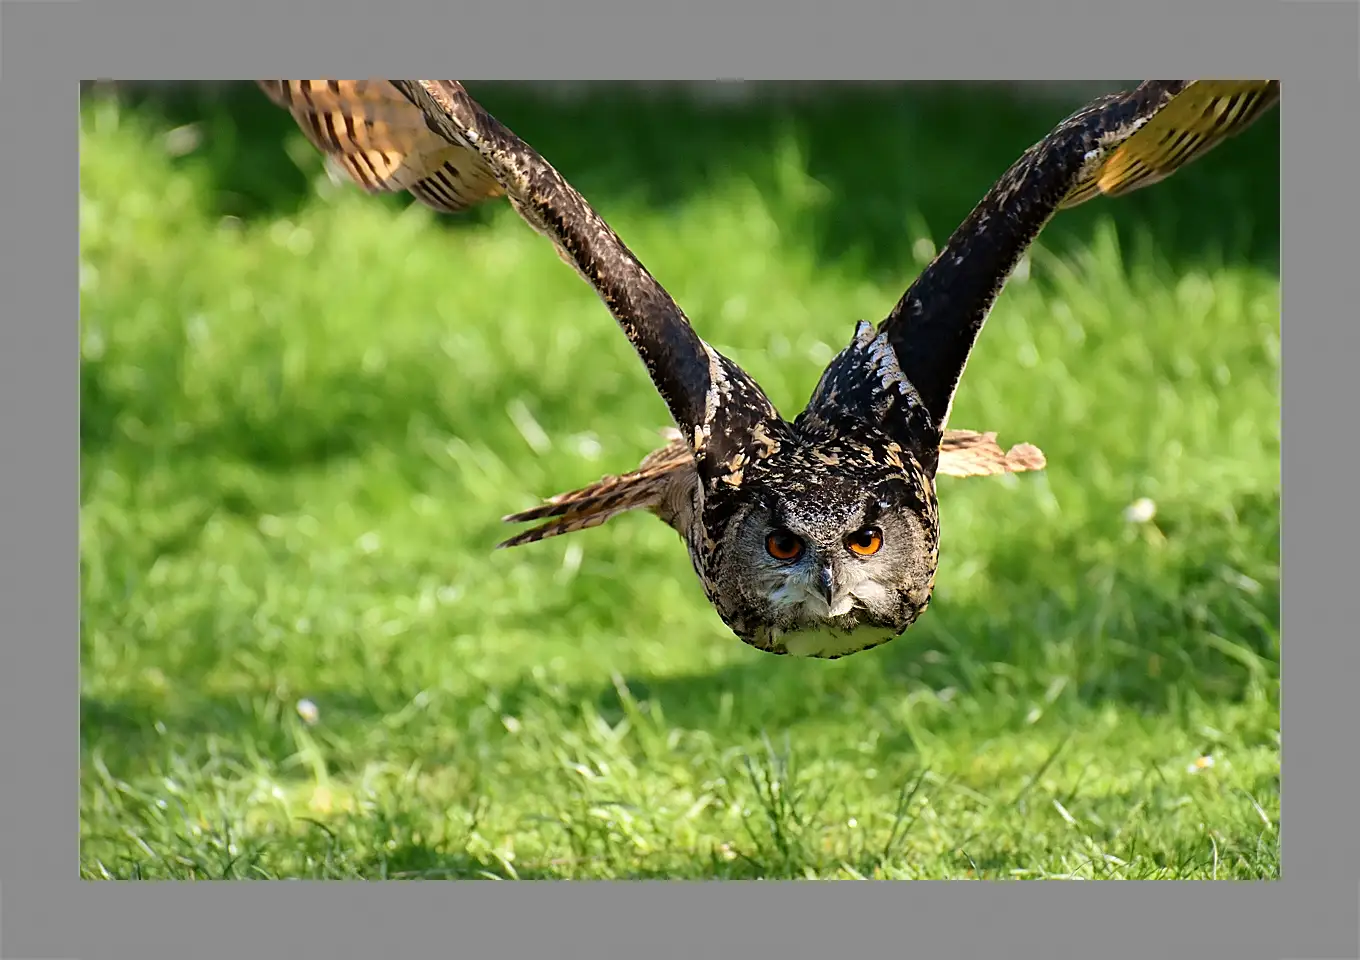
{"type": "Point", "coordinates": [1202, 116]}
{"type": "Point", "coordinates": [381, 142]}
{"type": "Point", "coordinates": [722, 413]}
{"type": "Point", "coordinates": [963, 453]}
{"type": "Point", "coordinates": [1115, 144]}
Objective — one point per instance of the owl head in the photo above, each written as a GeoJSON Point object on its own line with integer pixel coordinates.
{"type": "Point", "coordinates": [827, 550]}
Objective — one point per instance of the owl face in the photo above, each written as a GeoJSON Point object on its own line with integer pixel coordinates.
{"type": "Point", "coordinates": [818, 562]}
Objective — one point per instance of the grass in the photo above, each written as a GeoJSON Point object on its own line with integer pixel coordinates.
{"type": "Point", "coordinates": [305, 409]}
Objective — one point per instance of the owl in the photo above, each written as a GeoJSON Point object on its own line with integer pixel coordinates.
{"type": "Point", "coordinates": [816, 536]}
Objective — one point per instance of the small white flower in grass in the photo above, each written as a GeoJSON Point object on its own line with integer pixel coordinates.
{"type": "Point", "coordinates": [1141, 510]}
{"type": "Point", "coordinates": [308, 711]}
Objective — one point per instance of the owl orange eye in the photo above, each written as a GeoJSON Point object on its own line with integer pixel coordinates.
{"type": "Point", "coordinates": [783, 545]}
{"type": "Point", "coordinates": [865, 542]}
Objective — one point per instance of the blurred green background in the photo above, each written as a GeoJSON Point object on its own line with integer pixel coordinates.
{"type": "Point", "coordinates": [304, 410]}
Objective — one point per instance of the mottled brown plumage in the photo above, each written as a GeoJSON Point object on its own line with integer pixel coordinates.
{"type": "Point", "coordinates": [665, 474]}
{"type": "Point", "coordinates": [370, 131]}
{"type": "Point", "coordinates": [817, 536]}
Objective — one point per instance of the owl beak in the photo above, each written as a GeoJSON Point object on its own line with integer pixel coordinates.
{"type": "Point", "coordinates": [824, 584]}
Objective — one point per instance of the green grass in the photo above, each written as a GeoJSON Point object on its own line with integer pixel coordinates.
{"type": "Point", "coordinates": [305, 409]}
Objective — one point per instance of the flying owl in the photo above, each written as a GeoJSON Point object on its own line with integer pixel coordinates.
{"type": "Point", "coordinates": [816, 536]}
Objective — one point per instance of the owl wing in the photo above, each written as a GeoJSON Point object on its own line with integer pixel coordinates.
{"type": "Point", "coordinates": [723, 415]}
{"type": "Point", "coordinates": [645, 488]}
{"type": "Point", "coordinates": [1115, 144]}
{"type": "Point", "coordinates": [431, 138]}
{"type": "Point", "coordinates": [967, 453]}
{"type": "Point", "coordinates": [963, 453]}
{"type": "Point", "coordinates": [371, 132]}
{"type": "Point", "coordinates": [1193, 122]}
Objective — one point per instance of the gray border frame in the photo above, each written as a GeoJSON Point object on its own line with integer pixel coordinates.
{"type": "Point", "coordinates": [46, 47]}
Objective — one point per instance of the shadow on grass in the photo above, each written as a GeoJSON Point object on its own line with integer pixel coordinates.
{"type": "Point", "coordinates": [288, 435]}
{"type": "Point", "coordinates": [957, 657]}
{"type": "Point", "coordinates": [1151, 637]}
{"type": "Point", "coordinates": [884, 154]}
{"type": "Point", "coordinates": [1154, 642]}
{"type": "Point", "coordinates": [134, 727]}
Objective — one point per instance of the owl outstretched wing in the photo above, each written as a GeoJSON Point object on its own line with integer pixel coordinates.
{"type": "Point", "coordinates": [1192, 122]}
{"type": "Point", "coordinates": [662, 475]}
{"type": "Point", "coordinates": [371, 132]}
{"type": "Point", "coordinates": [431, 138]}
{"type": "Point", "coordinates": [1117, 143]}
{"type": "Point", "coordinates": [723, 415]}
